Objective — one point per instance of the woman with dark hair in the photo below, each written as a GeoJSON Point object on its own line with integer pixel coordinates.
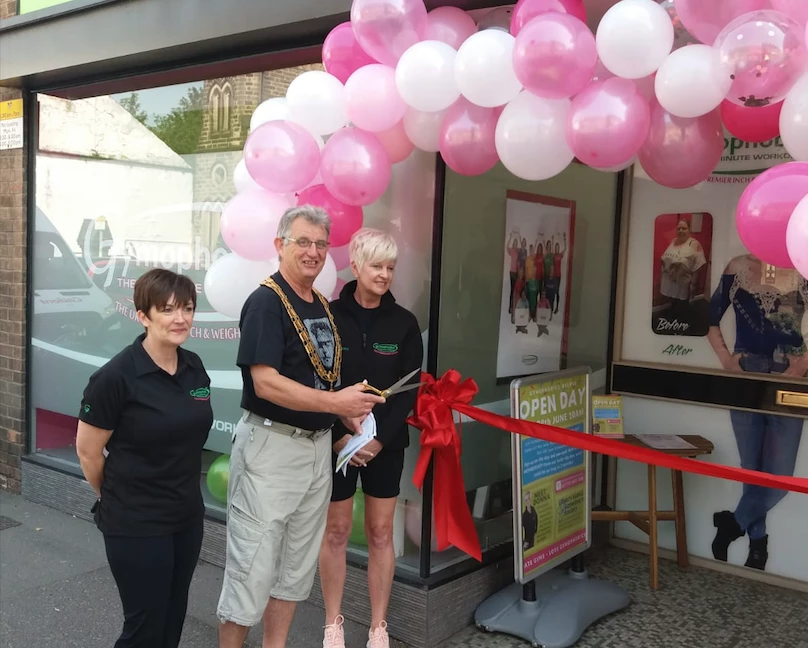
{"type": "Point", "coordinates": [143, 422]}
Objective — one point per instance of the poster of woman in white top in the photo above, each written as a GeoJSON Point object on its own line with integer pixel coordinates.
{"type": "Point", "coordinates": [682, 245]}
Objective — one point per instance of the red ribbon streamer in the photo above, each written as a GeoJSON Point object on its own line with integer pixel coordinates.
{"type": "Point", "coordinates": [433, 415]}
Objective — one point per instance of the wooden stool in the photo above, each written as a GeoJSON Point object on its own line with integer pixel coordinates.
{"type": "Point", "coordinates": [646, 521]}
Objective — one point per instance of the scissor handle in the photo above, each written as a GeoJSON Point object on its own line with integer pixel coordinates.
{"type": "Point", "coordinates": [371, 388]}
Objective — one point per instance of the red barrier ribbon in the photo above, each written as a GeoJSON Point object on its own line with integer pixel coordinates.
{"type": "Point", "coordinates": [433, 415]}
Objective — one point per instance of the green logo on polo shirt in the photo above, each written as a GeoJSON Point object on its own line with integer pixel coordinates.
{"type": "Point", "coordinates": [86, 409]}
{"type": "Point", "coordinates": [385, 349]}
{"type": "Point", "coordinates": [201, 393]}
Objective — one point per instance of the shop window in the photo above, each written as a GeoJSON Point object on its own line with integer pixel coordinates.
{"type": "Point", "coordinates": [118, 195]}
{"type": "Point", "coordinates": [494, 330]}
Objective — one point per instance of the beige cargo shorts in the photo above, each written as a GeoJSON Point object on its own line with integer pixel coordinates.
{"type": "Point", "coordinates": [278, 497]}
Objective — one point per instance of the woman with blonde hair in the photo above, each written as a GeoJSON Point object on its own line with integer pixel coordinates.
{"type": "Point", "coordinates": [381, 344]}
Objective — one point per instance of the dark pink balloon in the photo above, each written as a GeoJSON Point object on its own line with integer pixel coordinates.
{"type": "Point", "coordinates": [681, 152]}
{"type": "Point", "coordinates": [355, 167]}
{"type": "Point", "coordinates": [555, 56]}
{"type": "Point", "coordinates": [752, 124]}
{"type": "Point", "coordinates": [796, 9]}
{"type": "Point", "coordinates": [527, 10]}
{"type": "Point", "coordinates": [765, 209]}
{"type": "Point", "coordinates": [449, 25]}
{"type": "Point", "coordinates": [608, 123]}
{"type": "Point", "coordinates": [705, 19]}
{"type": "Point", "coordinates": [387, 28]}
{"type": "Point", "coordinates": [467, 138]}
{"type": "Point", "coordinates": [345, 219]}
{"type": "Point", "coordinates": [342, 55]}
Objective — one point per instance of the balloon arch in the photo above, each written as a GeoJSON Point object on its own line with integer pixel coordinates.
{"type": "Point", "coordinates": [533, 88]}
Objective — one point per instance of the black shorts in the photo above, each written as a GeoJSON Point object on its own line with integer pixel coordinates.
{"type": "Point", "coordinates": [381, 478]}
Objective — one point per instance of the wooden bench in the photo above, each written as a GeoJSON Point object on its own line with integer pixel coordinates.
{"type": "Point", "coordinates": [647, 521]}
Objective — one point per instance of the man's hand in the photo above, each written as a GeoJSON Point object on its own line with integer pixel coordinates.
{"type": "Point", "coordinates": [354, 425]}
{"type": "Point", "coordinates": [362, 456]}
{"type": "Point", "coordinates": [339, 445]}
{"type": "Point", "coordinates": [355, 402]}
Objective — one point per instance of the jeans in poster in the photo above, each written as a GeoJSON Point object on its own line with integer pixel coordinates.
{"type": "Point", "coordinates": [767, 443]}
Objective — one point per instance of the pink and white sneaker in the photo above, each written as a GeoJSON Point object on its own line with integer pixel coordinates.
{"type": "Point", "coordinates": [334, 634]}
{"type": "Point", "coordinates": [377, 638]}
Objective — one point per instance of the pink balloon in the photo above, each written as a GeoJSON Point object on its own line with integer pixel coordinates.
{"type": "Point", "coordinates": [396, 143]}
{"type": "Point", "coordinates": [281, 156]}
{"type": "Point", "coordinates": [797, 237]}
{"type": "Point", "coordinates": [355, 167]}
{"type": "Point", "coordinates": [449, 25]}
{"type": "Point", "coordinates": [796, 9]}
{"type": "Point", "coordinates": [345, 219]}
{"type": "Point", "coordinates": [527, 10]}
{"type": "Point", "coordinates": [386, 29]}
{"type": "Point", "coordinates": [249, 224]}
{"type": "Point", "coordinates": [341, 256]}
{"type": "Point", "coordinates": [764, 53]}
{"type": "Point", "coordinates": [608, 123]}
{"type": "Point", "coordinates": [467, 138]}
{"type": "Point", "coordinates": [705, 19]}
{"type": "Point", "coordinates": [555, 56]}
{"type": "Point", "coordinates": [342, 55]}
{"type": "Point", "coordinates": [681, 152]}
{"type": "Point", "coordinates": [765, 209]}
{"type": "Point", "coordinates": [752, 124]}
{"type": "Point", "coordinates": [372, 101]}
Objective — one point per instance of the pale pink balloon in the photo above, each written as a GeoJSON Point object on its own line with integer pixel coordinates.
{"type": "Point", "coordinates": [764, 210]}
{"type": "Point", "coordinates": [449, 25]}
{"type": "Point", "coordinates": [705, 19]}
{"type": "Point", "coordinates": [342, 55]}
{"type": "Point", "coordinates": [796, 9]}
{"type": "Point", "coordinates": [341, 256]}
{"type": "Point", "coordinates": [281, 156]}
{"type": "Point", "coordinates": [372, 101]}
{"type": "Point", "coordinates": [681, 152]}
{"type": "Point", "coordinates": [355, 167]}
{"type": "Point", "coordinates": [467, 138]}
{"type": "Point", "coordinates": [608, 123]}
{"type": "Point", "coordinates": [386, 29]}
{"type": "Point", "coordinates": [764, 53]}
{"type": "Point", "coordinates": [396, 143]}
{"type": "Point", "coordinates": [527, 10]}
{"type": "Point", "coordinates": [555, 56]}
{"type": "Point", "coordinates": [249, 224]}
{"type": "Point", "coordinates": [797, 238]}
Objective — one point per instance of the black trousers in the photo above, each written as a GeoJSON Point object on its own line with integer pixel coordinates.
{"type": "Point", "coordinates": [153, 576]}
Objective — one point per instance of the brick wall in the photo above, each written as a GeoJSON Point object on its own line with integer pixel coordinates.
{"type": "Point", "coordinates": [12, 310]}
{"type": "Point", "coordinates": [8, 8]}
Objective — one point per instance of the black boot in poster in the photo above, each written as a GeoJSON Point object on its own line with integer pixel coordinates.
{"type": "Point", "coordinates": [758, 553]}
{"type": "Point", "coordinates": [727, 532]}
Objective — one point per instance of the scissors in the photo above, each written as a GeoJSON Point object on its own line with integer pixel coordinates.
{"type": "Point", "coordinates": [397, 387]}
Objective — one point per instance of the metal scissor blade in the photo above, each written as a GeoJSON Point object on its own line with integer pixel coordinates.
{"type": "Point", "coordinates": [395, 386]}
{"type": "Point", "coordinates": [404, 388]}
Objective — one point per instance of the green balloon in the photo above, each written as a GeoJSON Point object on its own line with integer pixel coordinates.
{"type": "Point", "coordinates": [218, 476]}
{"type": "Point", "coordinates": [357, 536]}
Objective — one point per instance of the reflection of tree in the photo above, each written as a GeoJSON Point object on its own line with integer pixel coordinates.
{"type": "Point", "coordinates": [132, 105]}
{"type": "Point", "coordinates": [181, 128]}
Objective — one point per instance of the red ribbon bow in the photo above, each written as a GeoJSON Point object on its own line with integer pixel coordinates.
{"type": "Point", "coordinates": [440, 438]}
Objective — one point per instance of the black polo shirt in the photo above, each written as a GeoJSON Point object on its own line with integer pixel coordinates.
{"type": "Point", "coordinates": [159, 426]}
{"type": "Point", "coordinates": [269, 338]}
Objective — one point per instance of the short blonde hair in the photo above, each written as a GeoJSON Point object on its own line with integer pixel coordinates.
{"type": "Point", "coordinates": [372, 246]}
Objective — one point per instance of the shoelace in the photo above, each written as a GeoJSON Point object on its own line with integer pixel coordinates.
{"type": "Point", "coordinates": [333, 632]}
{"type": "Point", "coordinates": [378, 637]}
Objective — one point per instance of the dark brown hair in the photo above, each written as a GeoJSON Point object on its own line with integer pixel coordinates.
{"type": "Point", "coordinates": [157, 286]}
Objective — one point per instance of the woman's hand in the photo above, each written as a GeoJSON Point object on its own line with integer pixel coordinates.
{"type": "Point", "coordinates": [339, 445]}
{"type": "Point", "coordinates": [373, 449]}
{"type": "Point", "coordinates": [733, 363]}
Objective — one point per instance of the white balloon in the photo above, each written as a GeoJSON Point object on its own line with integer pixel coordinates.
{"type": "Point", "coordinates": [425, 76]}
{"type": "Point", "coordinates": [484, 69]}
{"type": "Point", "coordinates": [423, 129]}
{"type": "Point", "coordinates": [327, 279]}
{"type": "Point", "coordinates": [273, 109]}
{"type": "Point", "coordinates": [634, 38]}
{"type": "Point", "coordinates": [531, 139]}
{"type": "Point", "coordinates": [242, 179]}
{"type": "Point", "coordinates": [231, 279]}
{"type": "Point", "coordinates": [794, 121]}
{"type": "Point", "coordinates": [689, 82]}
{"type": "Point", "coordinates": [317, 102]}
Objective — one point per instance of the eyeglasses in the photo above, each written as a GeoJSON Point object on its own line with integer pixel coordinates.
{"type": "Point", "coordinates": [305, 243]}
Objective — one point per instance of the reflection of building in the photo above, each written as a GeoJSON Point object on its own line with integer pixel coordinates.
{"type": "Point", "coordinates": [229, 104]}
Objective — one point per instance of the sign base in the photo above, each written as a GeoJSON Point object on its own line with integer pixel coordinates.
{"type": "Point", "coordinates": [566, 604]}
